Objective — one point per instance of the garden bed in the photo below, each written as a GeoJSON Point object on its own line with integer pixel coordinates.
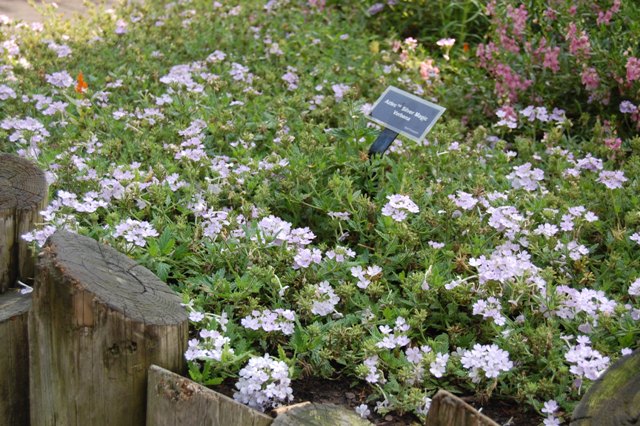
{"type": "Point", "coordinates": [224, 147]}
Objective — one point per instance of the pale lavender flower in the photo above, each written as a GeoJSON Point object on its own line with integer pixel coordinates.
{"type": "Point", "coordinates": [525, 177]}
{"type": "Point", "coordinates": [339, 90]}
{"type": "Point", "coordinates": [489, 308]}
{"type": "Point", "coordinates": [546, 229]}
{"type": "Point", "coordinates": [485, 361]}
{"type": "Point", "coordinates": [291, 78]}
{"type": "Point", "coordinates": [121, 27]}
{"type": "Point", "coordinates": [627, 107]}
{"type": "Point", "coordinates": [135, 231]}
{"type": "Point", "coordinates": [363, 410]}
{"type": "Point", "coordinates": [634, 288]}
{"type": "Point", "coordinates": [340, 215]}
{"type": "Point", "coordinates": [6, 92]}
{"type": "Point", "coordinates": [585, 361]}
{"type": "Point", "coordinates": [612, 179]}
{"type": "Point", "coordinates": [340, 254]}
{"type": "Point", "coordinates": [60, 79]}
{"type": "Point", "coordinates": [325, 299]}
{"type": "Point", "coordinates": [264, 382]}
{"type": "Point", "coordinates": [398, 206]}
{"type": "Point", "coordinates": [635, 237]}
{"type": "Point", "coordinates": [550, 407]}
{"type": "Point", "coordinates": [373, 375]}
{"type": "Point", "coordinates": [626, 351]}
{"type": "Point", "coordinates": [305, 257]}
{"type": "Point", "coordinates": [196, 316]}
{"type": "Point", "coordinates": [439, 366]}
{"type": "Point", "coordinates": [278, 320]}
{"type": "Point", "coordinates": [424, 408]}
{"type": "Point", "coordinates": [464, 200]}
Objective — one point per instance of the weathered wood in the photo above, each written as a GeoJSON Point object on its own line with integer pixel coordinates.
{"type": "Point", "coordinates": [312, 414]}
{"type": "Point", "coordinates": [173, 400]}
{"type": "Point", "coordinates": [98, 321]}
{"type": "Point", "coordinates": [613, 399]}
{"type": "Point", "coordinates": [449, 410]}
{"type": "Point", "coordinates": [14, 358]}
{"type": "Point", "coordinates": [23, 194]}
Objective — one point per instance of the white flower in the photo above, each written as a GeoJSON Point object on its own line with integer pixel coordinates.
{"type": "Point", "coordinates": [264, 382]}
{"type": "Point", "coordinates": [398, 206]}
{"type": "Point", "coordinates": [363, 410]}
{"type": "Point", "coordinates": [326, 299]}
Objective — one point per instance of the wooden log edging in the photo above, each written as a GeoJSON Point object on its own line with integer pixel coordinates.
{"type": "Point", "coordinates": [449, 410]}
{"type": "Point", "coordinates": [173, 400]}
{"type": "Point", "coordinates": [613, 399]}
{"type": "Point", "coordinates": [23, 194]}
{"type": "Point", "coordinates": [98, 321]}
{"type": "Point", "coordinates": [14, 358]}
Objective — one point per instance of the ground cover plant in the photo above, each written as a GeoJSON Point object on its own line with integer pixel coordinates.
{"type": "Point", "coordinates": [223, 146]}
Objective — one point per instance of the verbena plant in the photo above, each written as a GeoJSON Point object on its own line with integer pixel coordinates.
{"type": "Point", "coordinates": [223, 146]}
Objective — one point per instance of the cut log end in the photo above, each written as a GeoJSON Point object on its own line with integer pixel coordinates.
{"type": "Point", "coordinates": [22, 184]}
{"type": "Point", "coordinates": [114, 279]}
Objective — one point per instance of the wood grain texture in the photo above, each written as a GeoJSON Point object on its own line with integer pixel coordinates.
{"type": "Point", "coordinates": [449, 410]}
{"type": "Point", "coordinates": [98, 321]}
{"type": "Point", "coordinates": [312, 414]}
{"type": "Point", "coordinates": [23, 194]}
{"type": "Point", "coordinates": [613, 399]}
{"type": "Point", "coordinates": [173, 400]}
{"type": "Point", "coordinates": [14, 359]}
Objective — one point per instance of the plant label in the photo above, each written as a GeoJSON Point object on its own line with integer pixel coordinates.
{"type": "Point", "coordinates": [405, 113]}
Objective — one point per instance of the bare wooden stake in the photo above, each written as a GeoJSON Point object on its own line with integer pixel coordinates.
{"type": "Point", "coordinates": [14, 359]}
{"type": "Point", "coordinates": [98, 321]}
{"type": "Point", "coordinates": [23, 194]}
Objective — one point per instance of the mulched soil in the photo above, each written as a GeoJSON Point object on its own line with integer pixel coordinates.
{"type": "Point", "coordinates": [339, 392]}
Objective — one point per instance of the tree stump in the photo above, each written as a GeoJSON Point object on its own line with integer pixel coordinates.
{"type": "Point", "coordinates": [613, 399]}
{"type": "Point", "coordinates": [449, 410]}
{"type": "Point", "coordinates": [14, 359]}
{"type": "Point", "coordinates": [98, 321]}
{"type": "Point", "coordinates": [23, 194]}
{"type": "Point", "coordinates": [173, 400]}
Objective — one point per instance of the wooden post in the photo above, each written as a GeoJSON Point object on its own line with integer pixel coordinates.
{"type": "Point", "coordinates": [174, 400]}
{"type": "Point", "coordinates": [613, 399]}
{"type": "Point", "coordinates": [98, 321]}
{"type": "Point", "coordinates": [23, 194]}
{"type": "Point", "coordinates": [14, 359]}
{"type": "Point", "coordinates": [449, 410]}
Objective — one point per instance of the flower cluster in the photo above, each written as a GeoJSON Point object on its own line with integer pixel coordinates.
{"type": "Point", "coordinates": [525, 177]}
{"type": "Point", "coordinates": [398, 206]}
{"type": "Point", "coordinates": [267, 320]}
{"type": "Point", "coordinates": [485, 361]}
{"type": "Point", "coordinates": [135, 231]}
{"type": "Point", "coordinates": [585, 361]}
{"type": "Point", "coordinates": [490, 308]}
{"type": "Point", "coordinates": [325, 299]}
{"type": "Point", "coordinates": [396, 337]}
{"type": "Point", "coordinates": [264, 382]}
{"type": "Point", "coordinates": [365, 276]}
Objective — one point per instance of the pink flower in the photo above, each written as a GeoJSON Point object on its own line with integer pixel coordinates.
{"type": "Point", "coordinates": [428, 71]}
{"type": "Point", "coordinates": [633, 69]}
{"type": "Point", "coordinates": [590, 78]}
{"type": "Point", "coordinates": [579, 45]}
{"type": "Point", "coordinates": [519, 18]}
{"type": "Point", "coordinates": [613, 143]}
{"type": "Point", "coordinates": [551, 59]}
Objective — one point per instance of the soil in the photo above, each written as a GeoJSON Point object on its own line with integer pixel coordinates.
{"type": "Point", "coordinates": [340, 393]}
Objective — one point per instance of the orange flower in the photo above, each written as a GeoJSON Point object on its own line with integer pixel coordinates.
{"type": "Point", "coordinates": [82, 85]}
{"type": "Point", "coordinates": [465, 47]}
